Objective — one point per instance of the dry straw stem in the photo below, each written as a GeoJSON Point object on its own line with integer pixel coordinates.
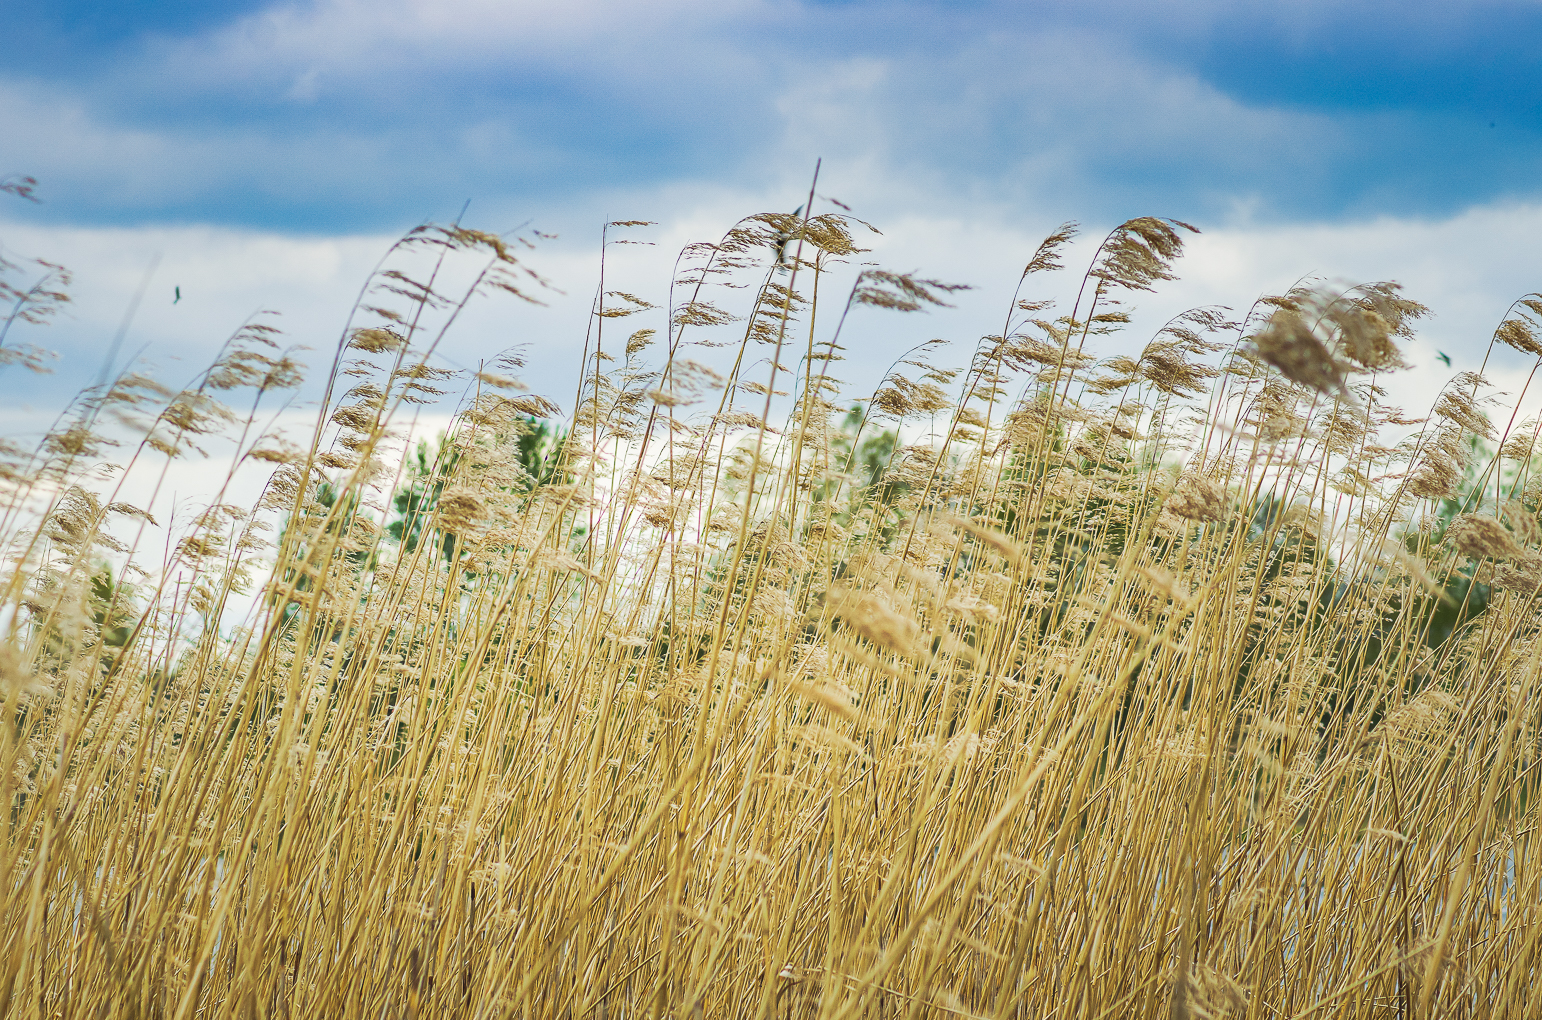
{"type": "Point", "coordinates": [1119, 696]}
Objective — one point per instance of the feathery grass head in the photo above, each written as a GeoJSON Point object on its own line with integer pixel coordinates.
{"type": "Point", "coordinates": [1057, 682]}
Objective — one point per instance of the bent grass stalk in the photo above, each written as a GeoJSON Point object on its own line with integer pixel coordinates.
{"type": "Point", "coordinates": [1094, 709]}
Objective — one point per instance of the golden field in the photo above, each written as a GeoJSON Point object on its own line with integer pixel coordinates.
{"type": "Point", "coordinates": [1198, 683]}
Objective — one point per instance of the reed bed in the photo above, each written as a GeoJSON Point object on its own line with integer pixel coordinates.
{"type": "Point", "coordinates": [1202, 683]}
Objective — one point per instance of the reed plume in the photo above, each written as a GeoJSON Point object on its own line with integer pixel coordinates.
{"type": "Point", "coordinates": [1186, 684]}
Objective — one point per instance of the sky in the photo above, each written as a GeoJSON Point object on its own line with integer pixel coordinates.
{"type": "Point", "coordinates": [263, 155]}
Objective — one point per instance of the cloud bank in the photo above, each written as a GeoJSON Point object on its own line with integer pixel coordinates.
{"type": "Point", "coordinates": [342, 116]}
{"type": "Point", "coordinates": [268, 153]}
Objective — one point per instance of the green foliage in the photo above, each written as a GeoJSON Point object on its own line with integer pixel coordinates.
{"type": "Point", "coordinates": [861, 461]}
{"type": "Point", "coordinates": [112, 608]}
{"type": "Point", "coordinates": [428, 470]}
{"type": "Point", "coordinates": [541, 449]}
{"type": "Point", "coordinates": [539, 453]}
{"type": "Point", "coordinates": [1465, 597]}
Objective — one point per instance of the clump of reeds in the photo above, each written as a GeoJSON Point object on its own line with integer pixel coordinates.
{"type": "Point", "coordinates": [1199, 683]}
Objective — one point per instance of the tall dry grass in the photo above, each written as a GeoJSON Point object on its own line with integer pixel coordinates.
{"type": "Point", "coordinates": [1117, 688]}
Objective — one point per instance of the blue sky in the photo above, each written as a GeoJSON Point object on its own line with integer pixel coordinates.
{"type": "Point", "coordinates": [262, 154]}
{"type": "Point", "coordinates": [343, 116]}
{"type": "Point", "coordinates": [256, 155]}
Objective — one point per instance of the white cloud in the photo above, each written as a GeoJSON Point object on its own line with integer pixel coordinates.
{"type": "Point", "coordinates": [393, 39]}
{"type": "Point", "coordinates": [1468, 268]}
{"type": "Point", "coordinates": [345, 112]}
{"type": "Point", "coordinates": [95, 160]}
